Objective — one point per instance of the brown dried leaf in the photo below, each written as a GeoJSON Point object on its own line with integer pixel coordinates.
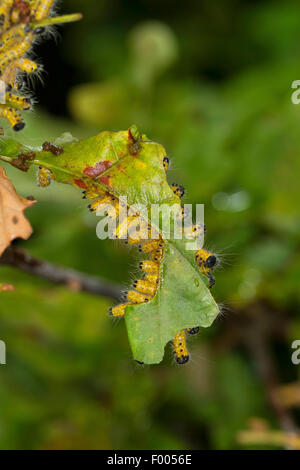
{"type": "Point", "coordinates": [13, 223]}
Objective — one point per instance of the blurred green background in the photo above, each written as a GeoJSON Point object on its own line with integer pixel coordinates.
{"type": "Point", "coordinates": [211, 81]}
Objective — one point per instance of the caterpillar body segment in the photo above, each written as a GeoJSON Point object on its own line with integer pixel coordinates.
{"type": "Point", "coordinates": [206, 262]}
{"type": "Point", "coordinates": [145, 287]}
{"type": "Point", "coordinates": [151, 245]}
{"type": "Point", "coordinates": [10, 74]}
{"type": "Point", "coordinates": [117, 211]}
{"type": "Point", "coordinates": [149, 266]}
{"type": "Point", "coordinates": [157, 255]}
{"type": "Point", "coordinates": [153, 278]}
{"type": "Point", "coordinates": [178, 189]}
{"type": "Point", "coordinates": [102, 203]}
{"type": "Point", "coordinates": [27, 66]}
{"type": "Point", "coordinates": [90, 194]}
{"type": "Point", "coordinates": [117, 311]}
{"type": "Point", "coordinates": [124, 226]}
{"type": "Point", "coordinates": [44, 177]}
{"type": "Point", "coordinates": [135, 297]}
{"type": "Point", "coordinates": [180, 349]}
{"type": "Point", "coordinates": [195, 231]}
{"type": "Point", "coordinates": [132, 241]}
{"type": "Point", "coordinates": [17, 101]}
{"type": "Point", "coordinates": [14, 35]}
{"type": "Point", "coordinates": [16, 51]}
{"type": "Point", "coordinates": [41, 9]}
{"type": "Point", "coordinates": [166, 163]}
{"type": "Point", "coordinates": [5, 10]}
{"type": "Point", "coordinates": [20, 12]}
{"type": "Point", "coordinates": [183, 213]}
{"type": "Point", "coordinates": [13, 117]}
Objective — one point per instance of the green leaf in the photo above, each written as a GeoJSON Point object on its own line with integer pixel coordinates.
{"type": "Point", "coordinates": [128, 164]}
{"type": "Point", "coordinates": [182, 301]}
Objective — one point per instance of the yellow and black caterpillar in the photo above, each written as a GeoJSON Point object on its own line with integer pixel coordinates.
{"type": "Point", "coordinates": [21, 23]}
{"type": "Point", "coordinates": [151, 243]}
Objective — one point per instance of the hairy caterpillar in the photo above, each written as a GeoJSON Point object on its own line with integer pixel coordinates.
{"type": "Point", "coordinates": [180, 349]}
{"type": "Point", "coordinates": [44, 177]}
{"type": "Point", "coordinates": [21, 21]}
{"type": "Point", "coordinates": [166, 163]}
{"type": "Point", "coordinates": [206, 262]}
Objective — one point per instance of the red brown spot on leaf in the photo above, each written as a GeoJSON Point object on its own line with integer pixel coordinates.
{"type": "Point", "coordinates": [105, 180]}
{"type": "Point", "coordinates": [80, 184]}
{"type": "Point", "coordinates": [93, 171]}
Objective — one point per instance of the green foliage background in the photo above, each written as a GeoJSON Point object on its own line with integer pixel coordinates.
{"type": "Point", "coordinates": [212, 83]}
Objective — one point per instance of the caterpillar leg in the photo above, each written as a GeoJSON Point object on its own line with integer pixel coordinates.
{"type": "Point", "coordinates": [149, 266]}
{"type": "Point", "coordinates": [117, 311]}
{"type": "Point", "coordinates": [151, 245]}
{"type": "Point", "coordinates": [41, 9]}
{"type": "Point", "coordinates": [16, 51]}
{"type": "Point", "coordinates": [136, 297]}
{"type": "Point", "coordinates": [13, 117]}
{"type": "Point", "coordinates": [179, 348]}
{"type": "Point", "coordinates": [206, 262]}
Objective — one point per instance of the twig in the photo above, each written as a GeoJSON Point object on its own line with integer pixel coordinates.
{"type": "Point", "coordinates": [73, 279]}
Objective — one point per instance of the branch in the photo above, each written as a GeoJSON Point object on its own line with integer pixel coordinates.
{"type": "Point", "coordinates": [75, 280]}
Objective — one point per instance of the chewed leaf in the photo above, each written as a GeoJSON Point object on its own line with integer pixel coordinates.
{"type": "Point", "coordinates": [182, 301]}
{"type": "Point", "coordinates": [173, 294]}
{"type": "Point", "coordinates": [110, 161]}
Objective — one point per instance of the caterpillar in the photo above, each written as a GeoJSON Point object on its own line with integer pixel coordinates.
{"type": "Point", "coordinates": [180, 349]}
{"type": "Point", "coordinates": [44, 177]}
{"type": "Point", "coordinates": [21, 22]}
{"type": "Point", "coordinates": [166, 162]}
{"type": "Point", "coordinates": [207, 262]}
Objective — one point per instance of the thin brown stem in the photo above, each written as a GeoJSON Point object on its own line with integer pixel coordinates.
{"type": "Point", "coordinates": [71, 278]}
